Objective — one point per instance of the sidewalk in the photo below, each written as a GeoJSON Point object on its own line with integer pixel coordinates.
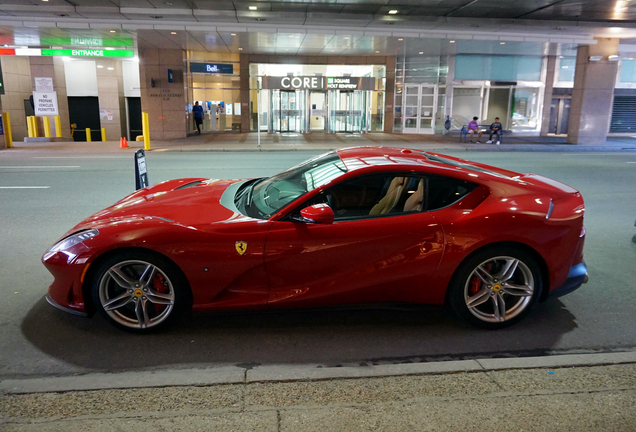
{"type": "Point", "coordinates": [590, 392]}
{"type": "Point", "coordinates": [324, 142]}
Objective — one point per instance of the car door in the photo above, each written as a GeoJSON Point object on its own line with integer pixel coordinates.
{"type": "Point", "coordinates": [380, 248]}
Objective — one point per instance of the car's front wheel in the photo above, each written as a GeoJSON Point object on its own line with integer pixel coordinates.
{"type": "Point", "coordinates": [495, 287]}
{"type": "Point", "coordinates": [140, 292]}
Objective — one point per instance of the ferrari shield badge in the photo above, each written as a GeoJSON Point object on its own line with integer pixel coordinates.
{"type": "Point", "coordinates": [241, 247]}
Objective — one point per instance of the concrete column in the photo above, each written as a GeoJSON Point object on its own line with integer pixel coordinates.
{"type": "Point", "coordinates": [593, 93]}
{"type": "Point", "coordinates": [17, 86]}
{"type": "Point", "coordinates": [165, 102]}
{"type": "Point", "coordinates": [389, 96]}
{"type": "Point", "coordinates": [547, 95]}
{"type": "Point", "coordinates": [112, 104]}
{"type": "Point", "coordinates": [245, 93]}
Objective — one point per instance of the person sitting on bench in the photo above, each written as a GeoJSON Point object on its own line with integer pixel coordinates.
{"type": "Point", "coordinates": [495, 129]}
{"type": "Point", "coordinates": [473, 127]}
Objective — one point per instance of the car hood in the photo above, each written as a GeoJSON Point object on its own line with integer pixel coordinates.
{"type": "Point", "coordinates": [189, 202]}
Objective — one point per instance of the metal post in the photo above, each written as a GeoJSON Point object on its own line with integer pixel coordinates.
{"type": "Point", "coordinates": [258, 113]}
{"type": "Point", "coordinates": [7, 129]}
{"type": "Point", "coordinates": [146, 130]}
{"type": "Point", "coordinates": [103, 134]}
{"type": "Point", "coordinates": [58, 126]}
{"type": "Point", "coordinates": [88, 135]}
{"type": "Point", "coordinates": [47, 127]}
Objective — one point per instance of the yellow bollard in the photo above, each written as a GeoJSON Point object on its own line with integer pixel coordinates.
{"type": "Point", "coordinates": [47, 126]}
{"type": "Point", "coordinates": [146, 130]}
{"type": "Point", "coordinates": [103, 134]}
{"type": "Point", "coordinates": [88, 134]}
{"type": "Point", "coordinates": [29, 126]}
{"type": "Point", "coordinates": [58, 126]}
{"type": "Point", "coordinates": [7, 129]}
{"type": "Point", "coordinates": [34, 127]}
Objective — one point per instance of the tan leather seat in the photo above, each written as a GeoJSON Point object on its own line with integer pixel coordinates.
{"type": "Point", "coordinates": [414, 202]}
{"type": "Point", "coordinates": [389, 201]}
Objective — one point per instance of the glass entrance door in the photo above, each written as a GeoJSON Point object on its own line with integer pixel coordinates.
{"type": "Point", "coordinates": [420, 106]}
{"type": "Point", "coordinates": [318, 112]}
{"type": "Point", "coordinates": [348, 111]}
{"type": "Point", "coordinates": [288, 108]}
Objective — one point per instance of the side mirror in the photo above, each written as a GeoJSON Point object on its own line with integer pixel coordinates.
{"type": "Point", "coordinates": [317, 213]}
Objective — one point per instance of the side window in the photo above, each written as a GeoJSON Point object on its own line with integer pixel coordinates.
{"type": "Point", "coordinates": [374, 196]}
{"type": "Point", "coordinates": [444, 191]}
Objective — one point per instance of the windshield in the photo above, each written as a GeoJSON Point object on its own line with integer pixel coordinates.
{"type": "Point", "coordinates": [264, 197]}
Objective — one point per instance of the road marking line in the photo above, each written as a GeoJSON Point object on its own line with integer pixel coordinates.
{"type": "Point", "coordinates": [24, 187]}
{"type": "Point", "coordinates": [39, 166]}
{"type": "Point", "coordinates": [81, 157]}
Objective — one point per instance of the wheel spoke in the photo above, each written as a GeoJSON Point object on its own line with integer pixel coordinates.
{"type": "Point", "coordinates": [120, 278]}
{"type": "Point", "coordinates": [499, 306]}
{"type": "Point", "coordinates": [118, 302]}
{"type": "Point", "coordinates": [484, 275]}
{"type": "Point", "coordinates": [159, 298]}
{"type": "Point", "coordinates": [479, 298]}
{"type": "Point", "coordinates": [142, 313]}
{"type": "Point", "coordinates": [518, 290]}
{"type": "Point", "coordinates": [509, 269]}
{"type": "Point", "coordinates": [148, 275]}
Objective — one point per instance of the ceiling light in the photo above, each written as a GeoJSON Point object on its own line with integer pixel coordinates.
{"type": "Point", "coordinates": [100, 66]}
{"type": "Point", "coordinates": [291, 35]}
{"type": "Point", "coordinates": [218, 83]}
{"type": "Point", "coordinates": [451, 41]}
{"type": "Point", "coordinates": [421, 52]}
{"type": "Point", "coordinates": [502, 43]}
{"type": "Point", "coordinates": [400, 39]}
{"type": "Point", "coordinates": [393, 12]}
{"type": "Point", "coordinates": [232, 34]}
{"type": "Point", "coordinates": [253, 8]}
{"type": "Point", "coordinates": [173, 32]}
{"type": "Point", "coordinates": [110, 68]}
{"type": "Point", "coordinates": [113, 31]}
{"type": "Point", "coordinates": [240, 49]}
{"type": "Point", "coordinates": [377, 52]}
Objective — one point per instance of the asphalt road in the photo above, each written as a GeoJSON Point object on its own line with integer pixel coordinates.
{"type": "Point", "coordinates": [38, 340]}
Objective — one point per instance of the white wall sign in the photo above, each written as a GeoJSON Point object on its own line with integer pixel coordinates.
{"type": "Point", "coordinates": [45, 103]}
{"type": "Point", "coordinates": [44, 84]}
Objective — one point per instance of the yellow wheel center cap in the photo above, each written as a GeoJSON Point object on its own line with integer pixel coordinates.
{"type": "Point", "coordinates": [138, 293]}
{"type": "Point", "coordinates": [496, 288]}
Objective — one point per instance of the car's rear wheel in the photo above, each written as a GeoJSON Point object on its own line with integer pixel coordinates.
{"type": "Point", "coordinates": [140, 292]}
{"type": "Point", "coordinates": [495, 287]}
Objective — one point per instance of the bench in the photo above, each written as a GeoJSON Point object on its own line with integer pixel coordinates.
{"type": "Point", "coordinates": [464, 132]}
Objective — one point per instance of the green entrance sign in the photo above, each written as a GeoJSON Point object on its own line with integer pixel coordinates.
{"type": "Point", "coordinates": [98, 41]}
{"type": "Point", "coordinates": [88, 53]}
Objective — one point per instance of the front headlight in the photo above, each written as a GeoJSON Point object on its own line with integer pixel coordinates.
{"type": "Point", "coordinates": [74, 239]}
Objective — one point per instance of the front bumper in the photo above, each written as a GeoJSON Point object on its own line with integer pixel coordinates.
{"type": "Point", "coordinates": [576, 277]}
{"type": "Point", "coordinates": [65, 309]}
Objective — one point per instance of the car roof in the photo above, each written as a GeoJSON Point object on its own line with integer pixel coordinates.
{"type": "Point", "coordinates": [389, 158]}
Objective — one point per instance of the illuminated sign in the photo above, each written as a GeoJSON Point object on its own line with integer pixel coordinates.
{"type": "Point", "coordinates": [318, 83]}
{"type": "Point", "coordinates": [211, 68]}
{"type": "Point", "coordinates": [89, 41]}
{"type": "Point", "coordinates": [88, 53]}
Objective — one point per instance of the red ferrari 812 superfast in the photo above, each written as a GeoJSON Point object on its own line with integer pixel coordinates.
{"type": "Point", "coordinates": [364, 225]}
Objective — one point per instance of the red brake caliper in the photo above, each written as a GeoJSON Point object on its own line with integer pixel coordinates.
{"type": "Point", "coordinates": [158, 285]}
{"type": "Point", "coordinates": [475, 282]}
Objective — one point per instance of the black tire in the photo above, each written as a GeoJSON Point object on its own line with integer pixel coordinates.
{"type": "Point", "coordinates": [140, 291]}
{"type": "Point", "coordinates": [481, 282]}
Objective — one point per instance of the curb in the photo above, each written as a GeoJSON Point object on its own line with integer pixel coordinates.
{"type": "Point", "coordinates": [281, 373]}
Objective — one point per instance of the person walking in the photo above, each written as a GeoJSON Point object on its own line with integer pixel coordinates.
{"type": "Point", "coordinates": [495, 129]}
{"type": "Point", "coordinates": [197, 112]}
